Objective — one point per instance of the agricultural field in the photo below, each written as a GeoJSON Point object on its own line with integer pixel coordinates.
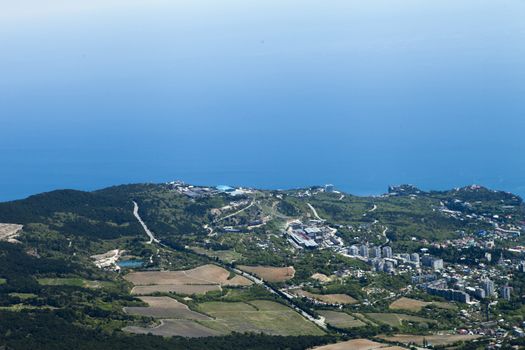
{"type": "Point", "coordinates": [354, 344]}
{"type": "Point", "coordinates": [395, 320]}
{"type": "Point", "coordinates": [170, 328]}
{"type": "Point", "coordinates": [199, 280]}
{"type": "Point", "coordinates": [341, 319]}
{"type": "Point", "coordinates": [183, 289]}
{"type": "Point", "coordinates": [257, 316]}
{"type": "Point", "coordinates": [436, 340]}
{"type": "Point", "coordinates": [326, 298]}
{"type": "Point", "coordinates": [269, 273]}
{"type": "Point", "coordinates": [164, 307]}
{"type": "Point", "coordinates": [417, 305]}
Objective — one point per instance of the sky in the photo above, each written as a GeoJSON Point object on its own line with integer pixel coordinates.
{"type": "Point", "coordinates": [271, 94]}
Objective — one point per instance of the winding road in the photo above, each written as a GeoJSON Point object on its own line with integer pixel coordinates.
{"type": "Point", "coordinates": [238, 212]}
{"type": "Point", "coordinates": [387, 240]}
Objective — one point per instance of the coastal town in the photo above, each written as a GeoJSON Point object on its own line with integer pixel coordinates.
{"type": "Point", "coordinates": [406, 268]}
{"type": "Point", "coordinates": [475, 283]}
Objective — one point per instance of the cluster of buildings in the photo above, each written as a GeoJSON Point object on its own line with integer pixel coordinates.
{"type": "Point", "coordinates": [202, 191]}
{"type": "Point", "coordinates": [486, 289]}
{"type": "Point", "coordinates": [191, 191]}
{"type": "Point", "coordinates": [441, 289]}
{"type": "Point", "coordinates": [383, 259]}
{"type": "Point", "coordinates": [454, 290]}
{"type": "Point", "coordinates": [312, 235]}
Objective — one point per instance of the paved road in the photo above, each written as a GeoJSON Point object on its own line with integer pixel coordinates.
{"type": "Point", "coordinates": [314, 211]}
{"type": "Point", "coordinates": [238, 212]}
{"type": "Point", "coordinates": [146, 229]}
{"type": "Point", "coordinates": [387, 240]}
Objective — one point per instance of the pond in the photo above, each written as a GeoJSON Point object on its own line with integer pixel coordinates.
{"type": "Point", "coordinates": [131, 263]}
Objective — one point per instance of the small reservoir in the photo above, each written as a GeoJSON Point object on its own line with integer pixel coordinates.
{"type": "Point", "coordinates": [131, 264]}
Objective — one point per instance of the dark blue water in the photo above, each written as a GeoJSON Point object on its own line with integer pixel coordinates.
{"type": "Point", "coordinates": [272, 94]}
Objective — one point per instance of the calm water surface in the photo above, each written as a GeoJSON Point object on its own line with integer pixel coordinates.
{"type": "Point", "coordinates": [272, 94]}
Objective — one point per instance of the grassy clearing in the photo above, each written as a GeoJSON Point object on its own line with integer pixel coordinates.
{"type": "Point", "coordinates": [22, 307]}
{"type": "Point", "coordinates": [23, 296]}
{"type": "Point", "coordinates": [224, 255]}
{"type": "Point", "coordinates": [257, 316]}
{"type": "Point", "coordinates": [417, 305]}
{"type": "Point", "coordinates": [394, 320]}
{"type": "Point", "coordinates": [326, 298]}
{"type": "Point", "coordinates": [341, 319]}
{"type": "Point", "coordinates": [269, 273]}
{"type": "Point", "coordinates": [75, 282]}
{"type": "Point", "coordinates": [364, 319]}
{"type": "Point", "coordinates": [321, 277]}
{"type": "Point", "coordinates": [3, 281]}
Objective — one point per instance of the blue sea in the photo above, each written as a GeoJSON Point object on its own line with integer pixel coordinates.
{"type": "Point", "coordinates": [270, 94]}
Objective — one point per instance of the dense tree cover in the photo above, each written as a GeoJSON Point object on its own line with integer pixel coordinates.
{"type": "Point", "coordinates": [478, 193]}
{"type": "Point", "coordinates": [173, 215]}
{"type": "Point", "coordinates": [514, 309]}
{"type": "Point", "coordinates": [482, 201]}
{"type": "Point", "coordinates": [75, 213]}
{"type": "Point", "coordinates": [466, 256]}
{"type": "Point", "coordinates": [405, 217]}
{"type": "Point", "coordinates": [288, 208]}
{"type": "Point", "coordinates": [475, 345]}
{"type": "Point", "coordinates": [416, 215]}
{"type": "Point", "coordinates": [347, 286]}
{"type": "Point", "coordinates": [18, 268]}
{"type": "Point", "coordinates": [92, 317]}
{"type": "Point", "coordinates": [39, 330]}
{"type": "Point", "coordinates": [128, 192]}
{"type": "Point", "coordinates": [367, 331]}
{"type": "Point", "coordinates": [325, 262]}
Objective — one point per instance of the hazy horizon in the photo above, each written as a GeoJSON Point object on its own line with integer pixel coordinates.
{"type": "Point", "coordinates": [276, 94]}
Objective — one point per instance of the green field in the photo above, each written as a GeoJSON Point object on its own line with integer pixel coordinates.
{"type": "Point", "coordinates": [223, 255]}
{"type": "Point", "coordinates": [3, 281]}
{"type": "Point", "coordinates": [257, 316]}
{"type": "Point", "coordinates": [341, 319]}
{"type": "Point", "coordinates": [23, 296]}
{"type": "Point", "coordinates": [22, 307]}
{"type": "Point", "coordinates": [417, 305]}
{"type": "Point", "coordinates": [396, 319]}
{"type": "Point", "coordinates": [74, 281]}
